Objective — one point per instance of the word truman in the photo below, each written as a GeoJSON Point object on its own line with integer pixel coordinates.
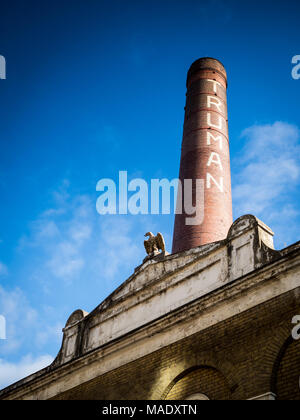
{"type": "Point", "coordinates": [215, 104]}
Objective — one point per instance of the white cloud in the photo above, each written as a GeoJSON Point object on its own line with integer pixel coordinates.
{"type": "Point", "coordinates": [48, 332]}
{"type": "Point", "coordinates": [119, 245]}
{"type": "Point", "coordinates": [3, 269]}
{"type": "Point", "coordinates": [12, 372]}
{"type": "Point", "coordinates": [23, 323]}
{"type": "Point", "coordinates": [26, 331]}
{"type": "Point", "coordinates": [267, 173]}
{"type": "Point", "coordinates": [65, 261]}
{"type": "Point", "coordinates": [20, 316]}
{"type": "Point", "coordinates": [60, 233]}
{"type": "Point", "coordinates": [76, 242]}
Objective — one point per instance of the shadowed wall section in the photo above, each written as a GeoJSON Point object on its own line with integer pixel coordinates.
{"type": "Point", "coordinates": [202, 380]}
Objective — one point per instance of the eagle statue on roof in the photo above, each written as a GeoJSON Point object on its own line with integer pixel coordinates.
{"type": "Point", "coordinates": [154, 243]}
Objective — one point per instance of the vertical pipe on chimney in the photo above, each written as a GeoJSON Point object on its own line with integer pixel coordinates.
{"type": "Point", "coordinates": [205, 155]}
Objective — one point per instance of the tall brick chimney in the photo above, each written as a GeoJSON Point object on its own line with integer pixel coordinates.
{"type": "Point", "coordinates": [205, 155]}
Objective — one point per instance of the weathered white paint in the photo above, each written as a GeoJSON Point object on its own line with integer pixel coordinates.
{"type": "Point", "coordinates": [215, 84]}
{"type": "Point", "coordinates": [218, 125]}
{"type": "Point", "coordinates": [213, 100]}
{"type": "Point", "coordinates": [214, 158]}
{"type": "Point", "coordinates": [218, 138]}
{"type": "Point", "coordinates": [210, 179]}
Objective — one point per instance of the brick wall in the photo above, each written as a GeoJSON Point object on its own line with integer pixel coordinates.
{"type": "Point", "coordinates": [288, 373]}
{"type": "Point", "coordinates": [235, 359]}
{"type": "Point", "coordinates": [202, 380]}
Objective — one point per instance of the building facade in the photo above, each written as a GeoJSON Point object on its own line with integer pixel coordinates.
{"type": "Point", "coordinates": [213, 322]}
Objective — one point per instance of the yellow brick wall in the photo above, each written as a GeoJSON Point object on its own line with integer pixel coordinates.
{"type": "Point", "coordinates": [287, 381]}
{"type": "Point", "coordinates": [239, 355]}
{"type": "Point", "coordinates": [203, 380]}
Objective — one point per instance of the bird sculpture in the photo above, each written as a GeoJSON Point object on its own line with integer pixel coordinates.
{"type": "Point", "coordinates": [154, 243]}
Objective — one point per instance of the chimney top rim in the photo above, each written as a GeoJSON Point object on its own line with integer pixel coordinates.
{"type": "Point", "coordinates": [207, 63]}
{"type": "Point", "coordinates": [207, 58]}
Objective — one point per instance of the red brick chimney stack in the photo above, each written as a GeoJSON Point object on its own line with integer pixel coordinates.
{"type": "Point", "coordinates": [205, 155]}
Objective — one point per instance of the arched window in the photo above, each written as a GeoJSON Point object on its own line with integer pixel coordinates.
{"type": "Point", "coordinates": [198, 396]}
{"type": "Point", "coordinates": [285, 377]}
{"type": "Point", "coordinates": [198, 383]}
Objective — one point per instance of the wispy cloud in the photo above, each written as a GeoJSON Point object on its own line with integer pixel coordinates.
{"type": "Point", "coordinates": [73, 240]}
{"type": "Point", "coordinates": [3, 269]}
{"type": "Point", "coordinates": [24, 323]}
{"type": "Point", "coordinates": [267, 174]}
{"type": "Point", "coordinates": [119, 245]}
{"type": "Point", "coordinates": [12, 372]}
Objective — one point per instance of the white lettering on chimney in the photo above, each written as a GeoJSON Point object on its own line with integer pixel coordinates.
{"type": "Point", "coordinates": [215, 83]}
{"type": "Point", "coordinates": [210, 178]}
{"type": "Point", "coordinates": [213, 100]}
{"type": "Point", "coordinates": [215, 158]}
{"type": "Point", "coordinates": [209, 122]}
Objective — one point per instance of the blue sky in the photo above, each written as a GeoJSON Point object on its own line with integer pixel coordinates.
{"type": "Point", "coordinates": [96, 87]}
